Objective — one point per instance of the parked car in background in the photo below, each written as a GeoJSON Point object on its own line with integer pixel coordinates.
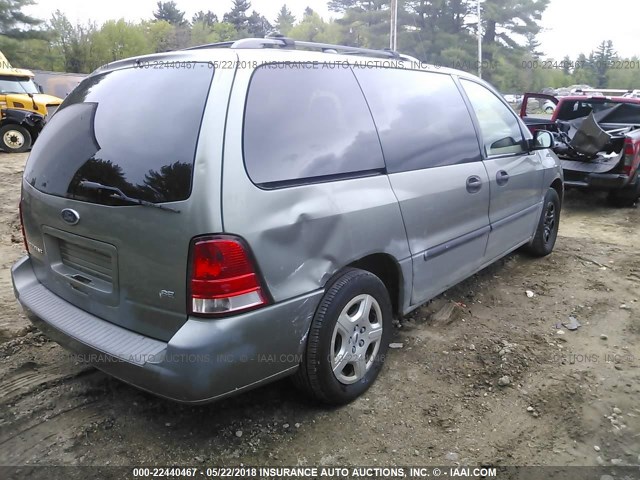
{"type": "Point", "coordinates": [302, 208]}
{"type": "Point", "coordinates": [513, 98]}
{"type": "Point", "coordinates": [597, 141]}
{"type": "Point", "coordinates": [548, 107]}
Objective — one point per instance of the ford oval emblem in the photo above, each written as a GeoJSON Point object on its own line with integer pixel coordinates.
{"type": "Point", "coordinates": [70, 216]}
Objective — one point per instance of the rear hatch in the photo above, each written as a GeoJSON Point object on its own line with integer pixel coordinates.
{"type": "Point", "coordinates": [106, 191]}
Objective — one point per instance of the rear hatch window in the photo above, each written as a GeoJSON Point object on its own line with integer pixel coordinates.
{"type": "Point", "coordinates": [134, 129]}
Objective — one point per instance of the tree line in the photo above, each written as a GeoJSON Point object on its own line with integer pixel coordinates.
{"type": "Point", "coordinates": [442, 32]}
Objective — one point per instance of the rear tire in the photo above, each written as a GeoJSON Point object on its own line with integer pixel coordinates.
{"type": "Point", "coordinates": [348, 339]}
{"type": "Point", "coordinates": [15, 139]}
{"type": "Point", "coordinates": [547, 230]}
{"type": "Point", "coordinates": [626, 197]}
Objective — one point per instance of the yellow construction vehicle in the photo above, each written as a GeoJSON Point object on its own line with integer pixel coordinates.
{"type": "Point", "coordinates": [23, 108]}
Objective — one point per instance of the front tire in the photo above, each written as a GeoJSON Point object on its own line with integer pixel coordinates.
{"type": "Point", "coordinates": [548, 224]}
{"type": "Point", "coordinates": [348, 339]}
{"type": "Point", "coordinates": [15, 139]}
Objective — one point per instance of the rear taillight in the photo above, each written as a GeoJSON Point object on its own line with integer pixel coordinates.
{"type": "Point", "coordinates": [223, 278]}
{"type": "Point", "coordinates": [24, 235]}
{"type": "Point", "coordinates": [629, 156]}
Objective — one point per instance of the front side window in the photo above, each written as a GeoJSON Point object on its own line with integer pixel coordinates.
{"type": "Point", "coordinates": [500, 129]}
{"type": "Point", "coordinates": [305, 124]}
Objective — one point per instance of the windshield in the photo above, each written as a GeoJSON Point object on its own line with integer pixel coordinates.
{"type": "Point", "coordinates": [17, 85]}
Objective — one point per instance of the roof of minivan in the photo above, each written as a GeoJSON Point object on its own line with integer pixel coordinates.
{"type": "Point", "coordinates": [275, 55]}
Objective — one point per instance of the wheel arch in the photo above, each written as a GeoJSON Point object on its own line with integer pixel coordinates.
{"type": "Point", "coordinates": [388, 270]}
{"type": "Point", "coordinates": [558, 186]}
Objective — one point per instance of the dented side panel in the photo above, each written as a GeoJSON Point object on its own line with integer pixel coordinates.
{"type": "Point", "coordinates": [302, 235]}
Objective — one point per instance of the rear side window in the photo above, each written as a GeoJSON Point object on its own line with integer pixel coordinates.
{"type": "Point", "coordinates": [500, 129]}
{"type": "Point", "coordinates": [306, 123]}
{"type": "Point", "coordinates": [133, 129]}
{"type": "Point", "coordinates": [421, 117]}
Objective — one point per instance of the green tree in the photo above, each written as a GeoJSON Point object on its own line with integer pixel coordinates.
{"type": "Point", "coordinates": [364, 23]}
{"type": "Point", "coordinates": [285, 20]}
{"type": "Point", "coordinates": [14, 23]}
{"type": "Point", "coordinates": [119, 39]}
{"type": "Point", "coordinates": [447, 16]}
{"type": "Point", "coordinates": [168, 11]}
{"type": "Point", "coordinates": [505, 22]}
{"type": "Point", "coordinates": [313, 28]}
{"type": "Point", "coordinates": [440, 32]}
{"type": "Point", "coordinates": [74, 42]}
{"type": "Point", "coordinates": [601, 62]}
{"type": "Point", "coordinates": [32, 54]}
{"type": "Point", "coordinates": [223, 32]}
{"type": "Point", "coordinates": [625, 77]}
{"type": "Point", "coordinates": [532, 45]}
{"type": "Point", "coordinates": [238, 15]}
{"type": "Point", "coordinates": [566, 65]}
{"type": "Point", "coordinates": [257, 25]}
{"type": "Point", "coordinates": [160, 35]}
{"type": "Point", "coordinates": [207, 18]}
{"type": "Point", "coordinates": [200, 31]}
{"type": "Point", "coordinates": [584, 73]}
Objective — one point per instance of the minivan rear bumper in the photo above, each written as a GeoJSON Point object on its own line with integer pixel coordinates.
{"type": "Point", "coordinates": [204, 361]}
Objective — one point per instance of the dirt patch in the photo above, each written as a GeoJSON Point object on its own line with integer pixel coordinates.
{"type": "Point", "coordinates": [483, 376]}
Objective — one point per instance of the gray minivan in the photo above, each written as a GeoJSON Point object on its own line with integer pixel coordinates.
{"type": "Point", "coordinates": [201, 222]}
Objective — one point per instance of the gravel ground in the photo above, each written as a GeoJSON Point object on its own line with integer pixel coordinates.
{"type": "Point", "coordinates": [484, 375]}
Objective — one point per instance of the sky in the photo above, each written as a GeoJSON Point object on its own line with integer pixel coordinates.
{"type": "Point", "coordinates": [570, 27]}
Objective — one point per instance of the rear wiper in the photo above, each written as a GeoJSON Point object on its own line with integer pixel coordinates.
{"type": "Point", "coordinates": [119, 194]}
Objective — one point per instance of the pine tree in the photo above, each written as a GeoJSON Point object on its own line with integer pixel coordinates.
{"type": "Point", "coordinates": [566, 65]}
{"type": "Point", "coordinates": [602, 58]}
{"type": "Point", "coordinates": [504, 20]}
{"type": "Point", "coordinates": [238, 15]}
{"type": "Point", "coordinates": [168, 11]}
{"type": "Point", "coordinates": [257, 25]}
{"type": "Point", "coordinates": [207, 18]}
{"type": "Point", "coordinates": [16, 24]}
{"type": "Point", "coordinates": [533, 45]}
{"type": "Point", "coordinates": [365, 22]}
{"type": "Point", "coordinates": [285, 20]}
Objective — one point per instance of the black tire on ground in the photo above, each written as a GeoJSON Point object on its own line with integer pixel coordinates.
{"type": "Point", "coordinates": [15, 139]}
{"type": "Point", "coordinates": [547, 230]}
{"type": "Point", "coordinates": [361, 302]}
{"type": "Point", "coordinates": [624, 198]}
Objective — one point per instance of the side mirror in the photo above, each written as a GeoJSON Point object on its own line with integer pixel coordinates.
{"type": "Point", "coordinates": [542, 139]}
{"type": "Point", "coordinates": [40, 89]}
